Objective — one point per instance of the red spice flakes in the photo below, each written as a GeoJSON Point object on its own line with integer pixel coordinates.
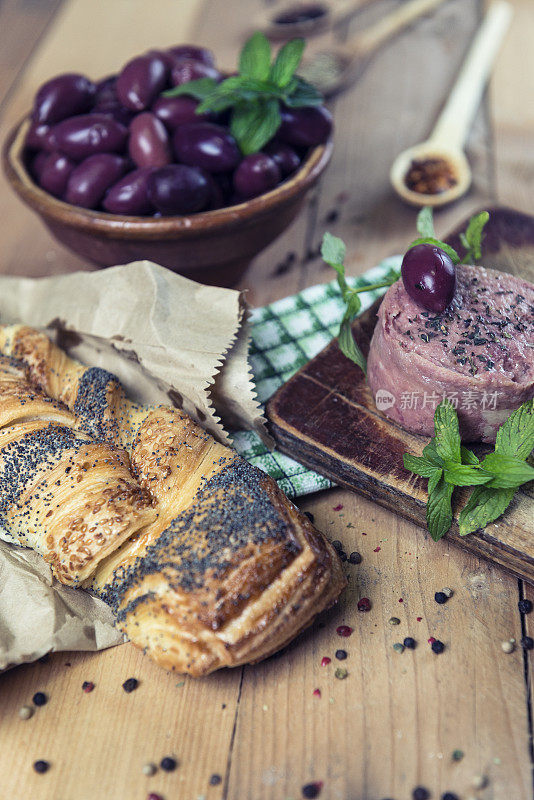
{"type": "Point", "coordinates": [344, 630]}
{"type": "Point", "coordinates": [419, 619]}
{"type": "Point", "coordinates": [338, 508]}
{"type": "Point", "coordinates": [88, 686]}
{"type": "Point", "coordinates": [377, 549]}
{"type": "Point", "coordinates": [316, 692]}
{"type": "Point", "coordinates": [364, 604]}
{"type": "Point", "coordinates": [325, 661]}
{"type": "Point", "coordinates": [431, 640]}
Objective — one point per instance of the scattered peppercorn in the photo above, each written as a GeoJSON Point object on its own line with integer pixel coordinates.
{"type": "Point", "coordinates": [215, 779]}
{"type": "Point", "coordinates": [394, 621]}
{"type": "Point", "coordinates": [355, 558]}
{"type": "Point", "coordinates": [41, 766]}
{"type": "Point", "coordinates": [527, 642]}
{"type": "Point", "coordinates": [341, 655]}
{"type": "Point", "coordinates": [409, 643]}
{"type": "Point", "coordinates": [149, 769]}
{"type": "Point", "coordinates": [337, 545]}
{"type": "Point", "coordinates": [88, 686]}
{"type": "Point", "coordinates": [311, 790]}
{"type": "Point", "coordinates": [341, 673]}
{"type": "Point", "coordinates": [153, 796]}
{"type": "Point", "coordinates": [39, 699]}
{"type": "Point", "coordinates": [25, 712]}
{"type": "Point", "coordinates": [398, 647]}
{"type": "Point", "coordinates": [317, 693]}
{"type": "Point", "coordinates": [130, 685]}
{"type": "Point", "coordinates": [420, 793]}
{"type": "Point", "coordinates": [437, 646]}
{"type": "Point", "coordinates": [525, 606]}
{"type": "Point", "coordinates": [344, 630]}
{"type": "Point", "coordinates": [448, 591]}
{"type": "Point", "coordinates": [457, 755]}
{"type": "Point", "coordinates": [325, 661]}
{"type": "Point", "coordinates": [449, 796]}
{"type": "Point", "coordinates": [168, 763]}
{"type": "Point", "coordinates": [364, 604]}
{"type": "Point", "coordinates": [508, 646]}
{"type": "Point", "coordinates": [440, 597]}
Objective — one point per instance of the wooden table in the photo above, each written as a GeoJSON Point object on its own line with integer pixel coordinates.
{"type": "Point", "coordinates": [395, 721]}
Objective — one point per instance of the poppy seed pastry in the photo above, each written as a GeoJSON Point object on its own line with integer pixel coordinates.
{"type": "Point", "coordinates": [213, 566]}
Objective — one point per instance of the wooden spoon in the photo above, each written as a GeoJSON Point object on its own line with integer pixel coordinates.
{"type": "Point", "coordinates": [306, 17]}
{"type": "Point", "coordinates": [331, 70]}
{"type": "Point", "coordinates": [447, 140]}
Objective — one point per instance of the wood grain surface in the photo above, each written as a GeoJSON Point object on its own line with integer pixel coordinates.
{"type": "Point", "coordinates": [392, 724]}
{"type": "Point", "coordinates": [325, 416]}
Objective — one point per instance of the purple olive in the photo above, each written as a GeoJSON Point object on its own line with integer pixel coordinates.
{"type": "Point", "coordinates": [87, 135]}
{"type": "Point", "coordinates": [36, 164]}
{"type": "Point", "coordinates": [305, 127]}
{"type": "Point", "coordinates": [286, 159]}
{"type": "Point", "coordinates": [62, 97]}
{"type": "Point", "coordinates": [141, 81]}
{"type": "Point", "coordinates": [149, 144]}
{"type": "Point", "coordinates": [188, 52]}
{"type": "Point", "coordinates": [178, 189]}
{"type": "Point", "coordinates": [55, 173]}
{"type": "Point", "coordinates": [189, 70]}
{"type": "Point", "coordinates": [175, 111]}
{"type": "Point", "coordinates": [130, 195]}
{"type": "Point", "coordinates": [107, 102]}
{"type": "Point", "coordinates": [257, 173]}
{"type": "Point", "coordinates": [429, 277]}
{"type": "Point", "coordinates": [203, 144]}
{"type": "Point", "coordinates": [90, 180]}
{"type": "Point", "coordinates": [37, 137]}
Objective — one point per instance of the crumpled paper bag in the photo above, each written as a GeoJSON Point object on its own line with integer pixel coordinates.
{"type": "Point", "coordinates": [169, 340]}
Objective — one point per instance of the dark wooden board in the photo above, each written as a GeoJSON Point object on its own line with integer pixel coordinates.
{"type": "Point", "coordinates": [326, 418]}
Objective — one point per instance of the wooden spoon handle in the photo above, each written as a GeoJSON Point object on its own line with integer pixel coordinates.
{"type": "Point", "coordinates": [456, 118]}
{"type": "Point", "coordinates": [369, 40]}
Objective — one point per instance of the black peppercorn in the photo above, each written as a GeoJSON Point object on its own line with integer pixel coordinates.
{"type": "Point", "coordinates": [525, 606]}
{"type": "Point", "coordinates": [337, 545]}
{"type": "Point", "coordinates": [527, 642]}
{"type": "Point", "coordinates": [311, 790]}
{"type": "Point", "coordinates": [130, 685]}
{"type": "Point", "coordinates": [420, 793]}
{"type": "Point", "coordinates": [41, 766]}
{"type": "Point", "coordinates": [215, 780]}
{"type": "Point", "coordinates": [355, 558]}
{"type": "Point", "coordinates": [449, 796]}
{"type": "Point", "coordinates": [440, 597]}
{"type": "Point", "coordinates": [409, 643]}
{"type": "Point", "coordinates": [437, 646]}
{"type": "Point", "coordinates": [168, 764]}
{"type": "Point", "coordinates": [341, 655]}
{"type": "Point", "coordinates": [39, 699]}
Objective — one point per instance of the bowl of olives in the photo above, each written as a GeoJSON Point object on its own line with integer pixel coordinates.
{"type": "Point", "coordinates": [169, 160]}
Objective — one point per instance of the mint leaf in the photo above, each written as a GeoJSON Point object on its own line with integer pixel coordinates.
{"type": "Point", "coordinates": [253, 125]}
{"type": "Point", "coordinates": [483, 507]}
{"type": "Point", "coordinates": [464, 474]}
{"type": "Point", "coordinates": [255, 58]}
{"type": "Point", "coordinates": [302, 94]}
{"type": "Point", "coordinates": [434, 479]}
{"type": "Point", "coordinates": [453, 255]}
{"type": "Point", "coordinates": [333, 252]}
{"type": "Point", "coordinates": [447, 432]}
{"type": "Point", "coordinates": [515, 437]}
{"type": "Point", "coordinates": [287, 61]}
{"type": "Point", "coordinates": [507, 471]}
{"type": "Point", "coordinates": [468, 457]}
{"type": "Point", "coordinates": [346, 342]}
{"type": "Point", "coordinates": [419, 465]}
{"type": "Point", "coordinates": [472, 238]}
{"type": "Point", "coordinates": [425, 223]}
{"type": "Point", "coordinates": [431, 454]}
{"type": "Point", "coordinates": [439, 509]}
{"type": "Point", "coordinates": [199, 89]}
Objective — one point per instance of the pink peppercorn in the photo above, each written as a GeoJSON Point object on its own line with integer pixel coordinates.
{"type": "Point", "coordinates": [325, 661]}
{"type": "Point", "coordinates": [153, 796]}
{"type": "Point", "coordinates": [338, 508]}
{"type": "Point", "coordinates": [432, 639]}
{"type": "Point", "coordinates": [344, 630]}
{"type": "Point", "coordinates": [316, 692]}
{"type": "Point", "coordinates": [364, 604]}
{"type": "Point", "coordinates": [377, 549]}
{"type": "Point", "coordinates": [419, 619]}
{"type": "Point", "coordinates": [88, 686]}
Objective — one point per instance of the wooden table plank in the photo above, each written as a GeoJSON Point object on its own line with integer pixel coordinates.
{"type": "Point", "coordinates": [396, 718]}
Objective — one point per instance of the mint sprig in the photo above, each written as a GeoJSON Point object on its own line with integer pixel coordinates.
{"type": "Point", "coordinates": [256, 93]}
{"type": "Point", "coordinates": [333, 253]}
{"type": "Point", "coordinates": [447, 464]}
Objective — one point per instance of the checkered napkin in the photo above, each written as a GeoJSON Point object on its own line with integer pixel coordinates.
{"type": "Point", "coordinates": [285, 335]}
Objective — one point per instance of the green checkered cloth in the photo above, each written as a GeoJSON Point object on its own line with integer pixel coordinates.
{"type": "Point", "coordinates": [285, 335]}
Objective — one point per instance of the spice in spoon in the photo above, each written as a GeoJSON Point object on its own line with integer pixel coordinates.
{"type": "Point", "coordinates": [430, 176]}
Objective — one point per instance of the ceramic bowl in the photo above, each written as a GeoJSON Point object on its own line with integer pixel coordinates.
{"type": "Point", "coordinates": [210, 247]}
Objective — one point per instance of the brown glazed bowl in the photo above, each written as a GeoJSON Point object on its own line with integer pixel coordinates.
{"type": "Point", "coordinates": [210, 247]}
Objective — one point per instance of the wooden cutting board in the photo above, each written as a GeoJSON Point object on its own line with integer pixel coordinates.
{"type": "Point", "coordinates": [325, 417]}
